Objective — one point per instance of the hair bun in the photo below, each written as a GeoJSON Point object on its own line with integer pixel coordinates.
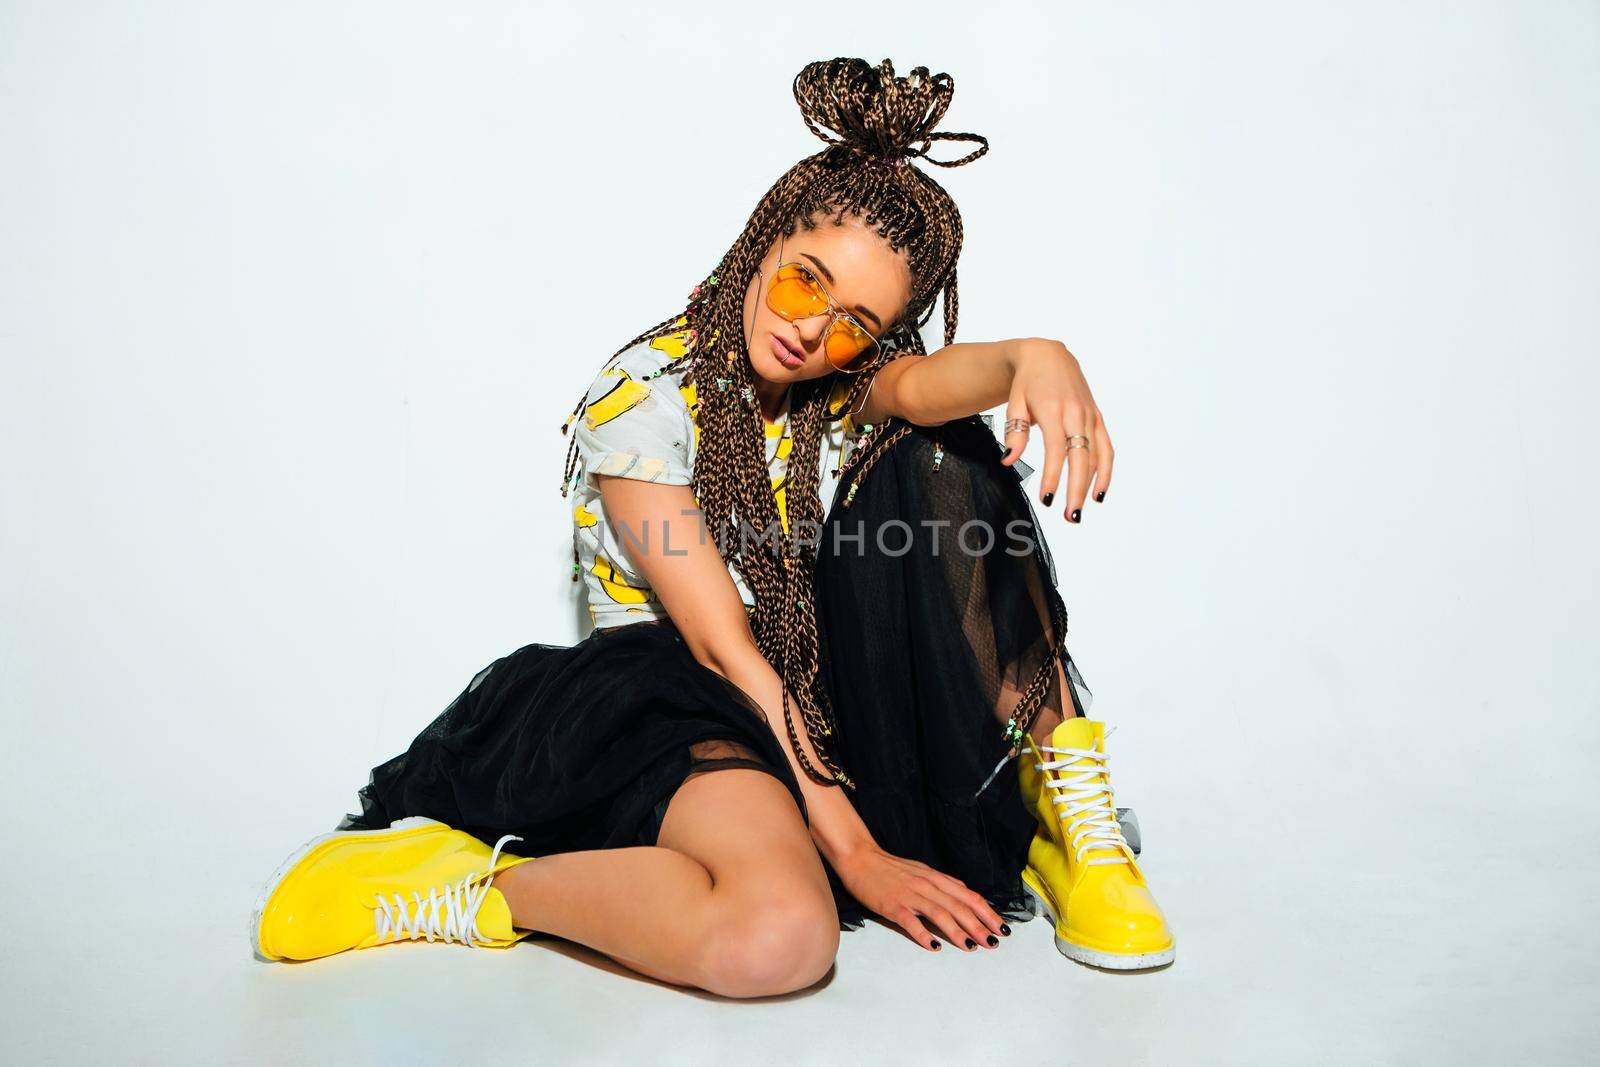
{"type": "Point", "coordinates": [882, 118]}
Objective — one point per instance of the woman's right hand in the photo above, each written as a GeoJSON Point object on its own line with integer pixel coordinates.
{"type": "Point", "coordinates": [912, 895]}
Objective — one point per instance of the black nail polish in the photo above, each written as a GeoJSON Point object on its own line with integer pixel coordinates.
{"type": "Point", "coordinates": [934, 946]}
{"type": "Point", "coordinates": [971, 943]}
{"type": "Point", "coordinates": [1077, 515]}
{"type": "Point", "coordinates": [993, 941]}
{"type": "Point", "coordinates": [1047, 498]}
{"type": "Point", "coordinates": [1101, 496]}
{"type": "Point", "coordinates": [1005, 928]}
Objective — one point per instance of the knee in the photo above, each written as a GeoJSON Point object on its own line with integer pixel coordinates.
{"type": "Point", "coordinates": [776, 946]}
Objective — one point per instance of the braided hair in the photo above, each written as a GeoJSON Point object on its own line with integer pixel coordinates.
{"type": "Point", "coordinates": [874, 124]}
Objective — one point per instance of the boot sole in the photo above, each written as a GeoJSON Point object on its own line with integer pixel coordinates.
{"type": "Point", "coordinates": [294, 858]}
{"type": "Point", "coordinates": [1094, 957]}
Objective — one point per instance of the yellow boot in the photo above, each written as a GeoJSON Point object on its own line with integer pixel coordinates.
{"type": "Point", "coordinates": [1080, 870]}
{"type": "Point", "coordinates": [359, 888]}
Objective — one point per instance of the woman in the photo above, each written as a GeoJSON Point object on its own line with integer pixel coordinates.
{"type": "Point", "coordinates": [782, 719]}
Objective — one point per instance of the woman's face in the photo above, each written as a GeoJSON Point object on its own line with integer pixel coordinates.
{"type": "Point", "coordinates": [862, 274]}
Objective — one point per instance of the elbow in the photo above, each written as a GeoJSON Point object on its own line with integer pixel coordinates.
{"type": "Point", "coordinates": [725, 653]}
{"type": "Point", "coordinates": [927, 421]}
{"type": "Point", "coordinates": [910, 403]}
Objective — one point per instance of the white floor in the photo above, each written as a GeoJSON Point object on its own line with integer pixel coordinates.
{"type": "Point", "coordinates": [128, 945]}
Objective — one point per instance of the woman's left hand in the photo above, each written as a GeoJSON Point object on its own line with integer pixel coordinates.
{"type": "Point", "coordinates": [1048, 390]}
{"type": "Point", "coordinates": [913, 896]}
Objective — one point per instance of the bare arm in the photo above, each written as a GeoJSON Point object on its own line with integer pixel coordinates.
{"type": "Point", "coordinates": [1037, 379]}
{"type": "Point", "coordinates": [697, 591]}
{"type": "Point", "coordinates": [693, 583]}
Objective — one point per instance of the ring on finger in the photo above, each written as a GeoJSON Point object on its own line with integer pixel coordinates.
{"type": "Point", "coordinates": [1016, 426]}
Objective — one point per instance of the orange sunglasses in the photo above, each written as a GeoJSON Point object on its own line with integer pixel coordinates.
{"type": "Point", "coordinates": [797, 293]}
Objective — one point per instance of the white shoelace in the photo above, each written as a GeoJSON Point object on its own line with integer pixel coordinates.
{"type": "Point", "coordinates": [1083, 793]}
{"type": "Point", "coordinates": [450, 912]}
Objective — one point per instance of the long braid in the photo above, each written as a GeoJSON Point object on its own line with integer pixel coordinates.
{"type": "Point", "coordinates": [874, 124]}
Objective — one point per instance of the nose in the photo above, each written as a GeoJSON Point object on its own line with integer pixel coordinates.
{"type": "Point", "coordinates": [813, 327]}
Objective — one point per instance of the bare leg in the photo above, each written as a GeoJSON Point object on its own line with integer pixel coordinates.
{"type": "Point", "coordinates": [733, 898]}
{"type": "Point", "coordinates": [978, 624]}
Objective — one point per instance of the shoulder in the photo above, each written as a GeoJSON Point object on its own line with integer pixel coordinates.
{"type": "Point", "coordinates": [637, 420]}
{"type": "Point", "coordinates": [639, 371]}
{"type": "Point", "coordinates": [635, 376]}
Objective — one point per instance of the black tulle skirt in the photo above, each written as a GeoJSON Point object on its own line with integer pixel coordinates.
{"type": "Point", "coordinates": [925, 651]}
{"type": "Point", "coordinates": [575, 746]}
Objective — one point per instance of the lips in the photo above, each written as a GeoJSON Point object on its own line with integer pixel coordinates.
{"type": "Point", "coordinates": [791, 358]}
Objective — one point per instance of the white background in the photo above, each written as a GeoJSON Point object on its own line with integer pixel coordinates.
{"type": "Point", "coordinates": [294, 296]}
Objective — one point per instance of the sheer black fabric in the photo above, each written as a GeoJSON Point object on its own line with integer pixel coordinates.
{"type": "Point", "coordinates": [575, 747]}
{"type": "Point", "coordinates": [936, 600]}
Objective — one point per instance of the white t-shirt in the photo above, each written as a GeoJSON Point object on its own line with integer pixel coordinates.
{"type": "Point", "coordinates": [634, 428]}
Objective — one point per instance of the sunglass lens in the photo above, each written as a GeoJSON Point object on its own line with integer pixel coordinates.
{"type": "Point", "coordinates": [847, 347]}
{"type": "Point", "coordinates": [795, 294]}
